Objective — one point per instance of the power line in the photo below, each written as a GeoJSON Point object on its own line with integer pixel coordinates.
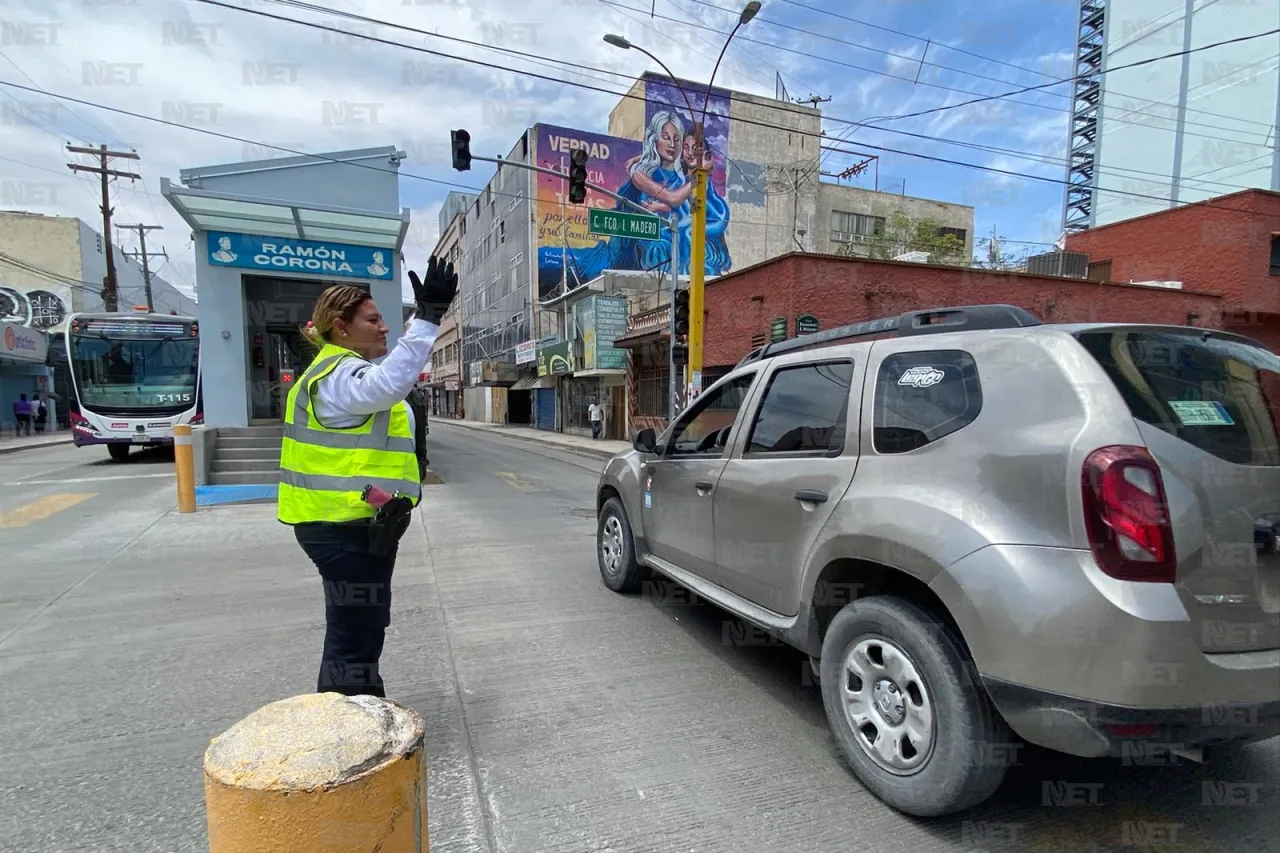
{"type": "Point", "coordinates": [380, 22]}
{"type": "Point", "coordinates": [1009, 96]}
{"type": "Point", "coordinates": [627, 95]}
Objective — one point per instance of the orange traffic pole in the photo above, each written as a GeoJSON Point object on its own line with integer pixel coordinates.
{"type": "Point", "coordinates": [185, 461]}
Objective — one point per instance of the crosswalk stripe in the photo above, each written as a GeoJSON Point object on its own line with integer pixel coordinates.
{"type": "Point", "coordinates": [41, 509]}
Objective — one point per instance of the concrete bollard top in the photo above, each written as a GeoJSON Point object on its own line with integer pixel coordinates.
{"type": "Point", "coordinates": [313, 741]}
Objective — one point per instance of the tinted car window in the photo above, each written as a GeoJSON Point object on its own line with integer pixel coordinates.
{"type": "Point", "coordinates": [922, 397]}
{"type": "Point", "coordinates": [804, 410]}
{"type": "Point", "coordinates": [1219, 394]}
{"type": "Point", "coordinates": [714, 414]}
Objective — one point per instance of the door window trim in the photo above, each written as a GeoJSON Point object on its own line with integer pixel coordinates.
{"type": "Point", "coordinates": [829, 453]}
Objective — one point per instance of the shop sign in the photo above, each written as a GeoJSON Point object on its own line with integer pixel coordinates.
{"type": "Point", "coordinates": [778, 330]}
{"type": "Point", "coordinates": [280, 254]}
{"type": "Point", "coordinates": [806, 324]}
{"type": "Point", "coordinates": [527, 352]}
{"type": "Point", "coordinates": [451, 385]}
{"type": "Point", "coordinates": [556, 359]}
{"type": "Point", "coordinates": [23, 343]}
{"type": "Point", "coordinates": [497, 372]}
{"type": "Point", "coordinates": [601, 321]}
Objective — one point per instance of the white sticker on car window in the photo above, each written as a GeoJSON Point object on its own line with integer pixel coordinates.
{"type": "Point", "coordinates": [922, 377]}
{"type": "Point", "coordinates": [1201, 413]}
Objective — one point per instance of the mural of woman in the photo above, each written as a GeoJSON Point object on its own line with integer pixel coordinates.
{"type": "Point", "coordinates": [657, 182]}
{"type": "Point", "coordinates": [716, 256]}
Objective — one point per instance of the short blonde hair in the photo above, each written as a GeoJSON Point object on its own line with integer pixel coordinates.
{"type": "Point", "coordinates": [341, 300]}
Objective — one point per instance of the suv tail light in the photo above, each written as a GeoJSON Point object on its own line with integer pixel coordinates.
{"type": "Point", "coordinates": [198, 419]}
{"type": "Point", "coordinates": [1127, 516]}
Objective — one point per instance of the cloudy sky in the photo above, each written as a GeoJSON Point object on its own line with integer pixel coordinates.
{"type": "Point", "coordinates": [222, 69]}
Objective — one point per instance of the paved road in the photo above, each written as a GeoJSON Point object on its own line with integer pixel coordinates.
{"type": "Point", "coordinates": [561, 717]}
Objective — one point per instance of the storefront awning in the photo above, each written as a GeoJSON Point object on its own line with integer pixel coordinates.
{"type": "Point", "coordinates": [205, 210]}
{"type": "Point", "coordinates": [529, 382]}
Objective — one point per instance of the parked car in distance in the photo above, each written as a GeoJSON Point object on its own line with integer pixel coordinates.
{"type": "Point", "coordinates": [983, 531]}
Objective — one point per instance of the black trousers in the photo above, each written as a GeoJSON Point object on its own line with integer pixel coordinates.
{"type": "Point", "coordinates": [595, 429]}
{"type": "Point", "coordinates": [357, 604]}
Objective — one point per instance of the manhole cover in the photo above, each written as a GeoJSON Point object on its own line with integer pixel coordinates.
{"type": "Point", "coordinates": [583, 513]}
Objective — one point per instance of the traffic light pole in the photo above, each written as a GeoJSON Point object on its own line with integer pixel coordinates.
{"type": "Point", "coordinates": [673, 225]}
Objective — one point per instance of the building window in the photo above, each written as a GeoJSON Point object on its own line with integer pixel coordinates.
{"type": "Point", "coordinates": [959, 233]}
{"type": "Point", "coordinates": [651, 393]}
{"type": "Point", "coordinates": [855, 227]}
{"type": "Point", "coordinates": [1275, 254]}
{"type": "Point", "coordinates": [502, 232]}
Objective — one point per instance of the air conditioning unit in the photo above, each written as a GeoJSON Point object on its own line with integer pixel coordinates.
{"type": "Point", "coordinates": [1065, 264]}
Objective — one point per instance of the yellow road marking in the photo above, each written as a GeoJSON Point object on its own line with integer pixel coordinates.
{"type": "Point", "coordinates": [41, 509]}
{"type": "Point", "coordinates": [515, 482]}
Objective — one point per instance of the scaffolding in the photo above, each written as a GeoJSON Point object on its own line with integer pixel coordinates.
{"type": "Point", "coordinates": [1078, 197]}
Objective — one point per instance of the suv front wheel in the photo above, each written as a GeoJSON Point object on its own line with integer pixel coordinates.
{"type": "Point", "coordinates": [904, 704]}
{"type": "Point", "coordinates": [616, 549]}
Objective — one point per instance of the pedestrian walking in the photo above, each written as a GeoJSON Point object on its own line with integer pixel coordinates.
{"type": "Point", "coordinates": [22, 414]}
{"type": "Point", "coordinates": [349, 471]}
{"type": "Point", "coordinates": [42, 415]}
{"type": "Point", "coordinates": [595, 412]}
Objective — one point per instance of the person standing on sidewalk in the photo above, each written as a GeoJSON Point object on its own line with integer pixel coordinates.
{"type": "Point", "coordinates": [348, 427]}
{"type": "Point", "coordinates": [22, 414]}
{"type": "Point", "coordinates": [595, 412]}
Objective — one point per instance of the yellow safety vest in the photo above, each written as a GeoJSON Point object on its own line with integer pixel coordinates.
{"type": "Point", "coordinates": [324, 471]}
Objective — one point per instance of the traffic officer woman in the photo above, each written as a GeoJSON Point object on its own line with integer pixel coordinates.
{"type": "Point", "coordinates": [348, 427]}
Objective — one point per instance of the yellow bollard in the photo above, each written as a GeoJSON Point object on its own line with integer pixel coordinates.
{"type": "Point", "coordinates": [184, 459]}
{"type": "Point", "coordinates": [319, 773]}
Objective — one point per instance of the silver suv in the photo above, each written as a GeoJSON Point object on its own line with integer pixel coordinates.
{"type": "Point", "coordinates": [981, 528]}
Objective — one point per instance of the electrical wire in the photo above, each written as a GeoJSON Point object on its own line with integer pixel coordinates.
{"type": "Point", "coordinates": [931, 42]}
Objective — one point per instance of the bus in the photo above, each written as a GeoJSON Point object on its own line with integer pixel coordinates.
{"type": "Point", "coordinates": [133, 378]}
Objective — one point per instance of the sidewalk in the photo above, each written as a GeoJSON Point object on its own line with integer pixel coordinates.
{"type": "Point", "coordinates": [10, 443]}
{"type": "Point", "coordinates": [604, 448]}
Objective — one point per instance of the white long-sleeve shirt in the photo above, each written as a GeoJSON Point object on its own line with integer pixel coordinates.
{"type": "Point", "coordinates": [357, 388]}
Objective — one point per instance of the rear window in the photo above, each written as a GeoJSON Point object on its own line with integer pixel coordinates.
{"type": "Point", "coordinates": [1218, 394]}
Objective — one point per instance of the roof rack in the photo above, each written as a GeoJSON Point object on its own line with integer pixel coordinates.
{"type": "Point", "coordinates": [964, 318]}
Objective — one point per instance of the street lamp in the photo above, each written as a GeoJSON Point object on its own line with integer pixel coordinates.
{"type": "Point", "coordinates": [698, 241]}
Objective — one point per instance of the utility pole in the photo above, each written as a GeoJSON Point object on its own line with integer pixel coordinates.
{"type": "Point", "coordinates": [142, 253]}
{"type": "Point", "coordinates": [110, 290]}
{"type": "Point", "coordinates": [812, 100]}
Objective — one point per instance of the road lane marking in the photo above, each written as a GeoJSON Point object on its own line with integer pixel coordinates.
{"type": "Point", "coordinates": [515, 482]}
{"type": "Point", "coordinates": [41, 509]}
{"type": "Point", "coordinates": [170, 476]}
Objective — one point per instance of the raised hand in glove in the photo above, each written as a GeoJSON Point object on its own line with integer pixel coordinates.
{"type": "Point", "coordinates": [435, 290]}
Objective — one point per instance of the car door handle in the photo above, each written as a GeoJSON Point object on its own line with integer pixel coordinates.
{"type": "Point", "coordinates": [704, 488]}
{"type": "Point", "coordinates": [811, 497]}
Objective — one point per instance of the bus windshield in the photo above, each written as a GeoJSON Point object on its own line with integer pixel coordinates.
{"type": "Point", "coordinates": [123, 375]}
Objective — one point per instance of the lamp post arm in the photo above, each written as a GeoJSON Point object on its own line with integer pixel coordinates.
{"type": "Point", "coordinates": [707, 101]}
{"type": "Point", "coordinates": [674, 79]}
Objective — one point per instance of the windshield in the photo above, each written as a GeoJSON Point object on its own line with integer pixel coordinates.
{"type": "Point", "coordinates": [1218, 394]}
{"type": "Point", "coordinates": [124, 375]}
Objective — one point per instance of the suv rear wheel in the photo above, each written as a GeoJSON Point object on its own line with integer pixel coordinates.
{"type": "Point", "coordinates": [904, 703]}
{"type": "Point", "coordinates": [616, 549]}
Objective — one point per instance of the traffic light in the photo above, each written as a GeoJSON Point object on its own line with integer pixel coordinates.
{"type": "Point", "coordinates": [460, 142]}
{"type": "Point", "coordinates": [578, 177]}
{"type": "Point", "coordinates": [680, 355]}
{"type": "Point", "coordinates": [682, 312]}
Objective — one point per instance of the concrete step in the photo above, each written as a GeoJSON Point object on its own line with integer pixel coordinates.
{"type": "Point", "coordinates": [238, 441]}
{"type": "Point", "coordinates": [242, 478]}
{"type": "Point", "coordinates": [228, 466]}
{"type": "Point", "coordinates": [269, 454]}
{"type": "Point", "coordinates": [258, 431]}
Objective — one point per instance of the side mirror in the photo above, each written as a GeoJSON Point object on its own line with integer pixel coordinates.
{"type": "Point", "coordinates": [646, 441]}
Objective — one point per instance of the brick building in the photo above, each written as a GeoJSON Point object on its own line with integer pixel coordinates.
{"type": "Point", "coordinates": [1228, 246]}
{"type": "Point", "coordinates": [744, 308]}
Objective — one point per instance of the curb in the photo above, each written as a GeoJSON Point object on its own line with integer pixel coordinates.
{"type": "Point", "coordinates": [569, 448]}
{"type": "Point", "coordinates": [6, 447]}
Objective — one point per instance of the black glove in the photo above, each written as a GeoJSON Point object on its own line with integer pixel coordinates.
{"type": "Point", "coordinates": [434, 291]}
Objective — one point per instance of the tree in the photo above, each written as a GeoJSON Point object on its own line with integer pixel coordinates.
{"type": "Point", "coordinates": [990, 253]}
{"type": "Point", "coordinates": [902, 234]}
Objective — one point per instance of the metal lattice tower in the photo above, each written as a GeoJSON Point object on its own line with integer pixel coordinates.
{"type": "Point", "coordinates": [1077, 206]}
